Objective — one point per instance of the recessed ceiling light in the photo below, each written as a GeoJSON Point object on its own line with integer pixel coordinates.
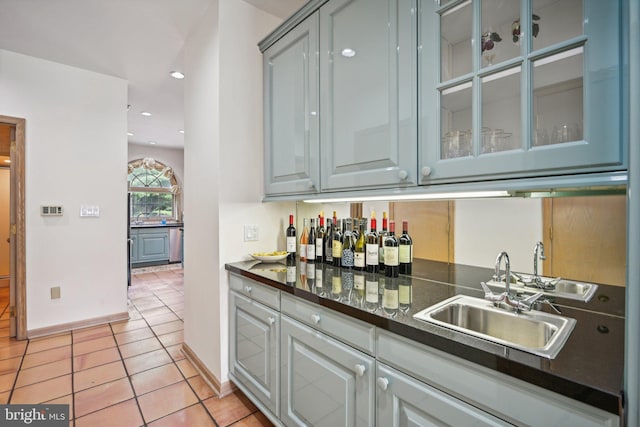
{"type": "Point", "coordinates": [130, 133]}
{"type": "Point", "coordinates": [152, 142]}
{"type": "Point", "coordinates": [177, 75]}
{"type": "Point", "coordinates": [146, 114]}
{"type": "Point", "coordinates": [181, 131]}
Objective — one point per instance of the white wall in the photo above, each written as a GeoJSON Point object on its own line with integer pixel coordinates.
{"type": "Point", "coordinates": [173, 157]}
{"type": "Point", "coordinates": [484, 228]}
{"type": "Point", "coordinates": [223, 168]}
{"type": "Point", "coordinates": [76, 149]}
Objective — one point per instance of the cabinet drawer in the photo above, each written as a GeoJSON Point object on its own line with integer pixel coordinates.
{"type": "Point", "coordinates": [351, 331]}
{"type": "Point", "coordinates": [505, 397]}
{"type": "Point", "coordinates": [254, 290]}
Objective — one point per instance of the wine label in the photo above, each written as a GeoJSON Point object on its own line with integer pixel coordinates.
{"type": "Point", "coordinates": [303, 251]}
{"type": "Point", "coordinates": [291, 244]}
{"type": "Point", "coordinates": [347, 258]}
{"type": "Point", "coordinates": [381, 254]}
{"type": "Point", "coordinates": [311, 271]}
{"type": "Point", "coordinates": [291, 274]}
{"type": "Point", "coordinates": [358, 281]}
{"type": "Point", "coordinates": [319, 277]}
{"type": "Point", "coordinates": [358, 261]}
{"type": "Point", "coordinates": [336, 284]}
{"type": "Point", "coordinates": [371, 291]}
{"type": "Point", "coordinates": [372, 254]}
{"type": "Point", "coordinates": [311, 252]}
{"type": "Point", "coordinates": [390, 299]}
{"type": "Point", "coordinates": [406, 254]}
{"type": "Point", "coordinates": [336, 251]}
{"type": "Point", "coordinates": [404, 294]}
{"type": "Point", "coordinates": [319, 247]}
{"type": "Point", "coordinates": [391, 256]}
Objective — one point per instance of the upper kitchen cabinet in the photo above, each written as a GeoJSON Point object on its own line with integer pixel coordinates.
{"type": "Point", "coordinates": [524, 88]}
{"type": "Point", "coordinates": [368, 82]}
{"type": "Point", "coordinates": [291, 112]}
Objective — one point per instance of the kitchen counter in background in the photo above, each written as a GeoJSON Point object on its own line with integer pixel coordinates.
{"type": "Point", "coordinates": [157, 225]}
{"type": "Point", "coordinates": [589, 368]}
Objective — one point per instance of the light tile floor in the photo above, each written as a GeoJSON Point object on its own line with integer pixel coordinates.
{"type": "Point", "coordinates": [130, 373]}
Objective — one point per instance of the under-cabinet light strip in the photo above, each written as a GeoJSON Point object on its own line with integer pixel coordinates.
{"type": "Point", "coordinates": [431, 196]}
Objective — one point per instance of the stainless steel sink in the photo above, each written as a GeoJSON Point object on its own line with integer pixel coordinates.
{"type": "Point", "coordinates": [563, 288]}
{"type": "Point", "coordinates": [534, 331]}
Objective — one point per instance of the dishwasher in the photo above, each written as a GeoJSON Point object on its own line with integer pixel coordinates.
{"type": "Point", "coordinates": [175, 244]}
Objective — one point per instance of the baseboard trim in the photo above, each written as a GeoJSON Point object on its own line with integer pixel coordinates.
{"type": "Point", "coordinates": [220, 389]}
{"type": "Point", "coordinates": [66, 327]}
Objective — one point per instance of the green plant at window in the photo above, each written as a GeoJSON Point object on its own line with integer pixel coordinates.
{"type": "Point", "coordinates": [153, 190]}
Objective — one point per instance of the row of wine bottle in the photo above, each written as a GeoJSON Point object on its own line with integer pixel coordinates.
{"type": "Point", "coordinates": [346, 243]}
{"type": "Point", "coordinates": [369, 291]}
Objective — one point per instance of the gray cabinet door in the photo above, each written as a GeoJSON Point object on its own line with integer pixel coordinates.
{"type": "Point", "coordinates": [544, 102]}
{"type": "Point", "coordinates": [368, 61]}
{"type": "Point", "coordinates": [254, 348]}
{"type": "Point", "coordinates": [291, 112]}
{"type": "Point", "coordinates": [133, 246]}
{"type": "Point", "coordinates": [153, 245]}
{"type": "Point", "coordinates": [403, 401]}
{"type": "Point", "coordinates": [324, 383]}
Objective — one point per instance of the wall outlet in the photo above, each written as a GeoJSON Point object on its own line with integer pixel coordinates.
{"type": "Point", "coordinates": [55, 292]}
{"type": "Point", "coordinates": [250, 232]}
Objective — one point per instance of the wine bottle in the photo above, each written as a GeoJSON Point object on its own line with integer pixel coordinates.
{"type": "Point", "coordinates": [355, 230]}
{"type": "Point", "coordinates": [336, 249]}
{"type": "Point", "coordinates": [320, 239]}
{"type": "Point", "coordinates": [311, 241]}
{"type": "Point", "coordinates": [359, 253]}
{"type": "Point", "coordinates": [405, 293]}
{"type": "Point", "coordinates": [336, 284]}
{"type": "Point", "coordinates": [328, 242]}
{"type": "Point", "coordinates": [311, 276]}
{"type": "Point", "coordinates": [390, 302]}
{"type": "Point", "coordinates": [291, 270]}
{"type": "Point", "coordinates": [372, 300]}
{"type": "Point", "coordinates": [372, 247]}
{"type": "Point", "coordinates": [405, 250]}
{"type": "Point", "coordinates": [357, 296]}
{"type": "Point", "coordinates": [291, 240]}
{"type": "Point", "coordinates": [303, 240]}
{"type": "Point", "coordinates": [391, 261]}
{"type": "Point", "coordinates": [348, 244]}
{"type": "Point", "coordinates": [381, 238]}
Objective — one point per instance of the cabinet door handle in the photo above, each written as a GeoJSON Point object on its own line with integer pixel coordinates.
{"type": "Point", "coordinates": [271, 320]}
{"type": "Point", "coordinates": [426, 171]}
{"type": "Point", "coordinates": [360, 369]}
{"type": "Point", "coordinates": [311, 184]}
{"type": "Point", "coordinates": [315, 318]}
{"type": "Point", "coordinates": [403, 174]}
{"type": "Point", "coordinates": [247, 289]}
{"type": "Point", "coordinates": [383, 383]}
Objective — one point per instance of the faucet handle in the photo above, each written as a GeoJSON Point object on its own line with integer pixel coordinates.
{"type": "Point", "coordinates": [489, 295]}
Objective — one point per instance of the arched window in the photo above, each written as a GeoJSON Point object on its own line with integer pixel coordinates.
{"type": "Point", "coordinates": [153, 189]}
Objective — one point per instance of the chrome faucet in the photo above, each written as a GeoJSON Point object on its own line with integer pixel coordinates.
{"type": "Point", "coordinates": [137, 221]}
{"type": "Point", "coordinates": [538, 253]}
{"type": "Point", "coordinates": [506, 297]}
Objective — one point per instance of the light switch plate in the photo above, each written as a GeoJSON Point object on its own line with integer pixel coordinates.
{"type": "Point", "coordinates": [55, 292]}
{"type": "Point", "coordinates": [250, 232]}
{"type": "Point", "coordinates": [90, 211]}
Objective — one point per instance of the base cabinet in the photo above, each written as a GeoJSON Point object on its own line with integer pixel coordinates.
{"type": "Point", "coordinates": [403, 401]}
{"type": "Point", "coordinates": [254, 348]}
{"type": "Point", "coordinates": [324, 383]}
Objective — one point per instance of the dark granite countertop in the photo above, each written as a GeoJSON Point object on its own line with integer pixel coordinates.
{"type": "Point", "coordinates": [589, 368]}
{"type": "Point", "coordinates": [158, 225]}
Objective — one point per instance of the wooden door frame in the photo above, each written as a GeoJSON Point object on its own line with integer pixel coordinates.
{"type": "Point", "coordinates": [18, 242]}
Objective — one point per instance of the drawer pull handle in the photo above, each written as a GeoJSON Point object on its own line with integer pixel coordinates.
{"type": "Point", "coordinates": [247, 289]}
{"type": "Point", "coordinates": [383, 383]}
{"type": "Point", "coordinates": [315, 318]}
{"type": "Point", "coordinates": [403, 174]}
{"type": "Point", "coordinates": [426, 171]}
{"type": "Point", "coordinates": [360, 369]}
{"type": "Point", "coordinates": [271, 320]}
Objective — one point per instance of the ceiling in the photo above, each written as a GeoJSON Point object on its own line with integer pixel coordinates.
{"type": "Point", "coordinates": [137, 40]}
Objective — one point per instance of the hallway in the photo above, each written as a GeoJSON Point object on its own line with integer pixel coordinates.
{"type": "Point", "coordinates": [129, 373]}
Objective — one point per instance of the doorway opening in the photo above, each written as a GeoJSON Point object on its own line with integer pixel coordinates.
{"type": "Point", "coordinates": [12, 224]}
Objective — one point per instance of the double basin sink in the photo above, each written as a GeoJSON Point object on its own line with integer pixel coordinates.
{"type": "Point", "coordinates": [552, 287]}
{"type": "Point", "coordinates": [534, 332]}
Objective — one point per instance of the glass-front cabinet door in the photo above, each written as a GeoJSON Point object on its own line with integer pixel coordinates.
{"type": "Point", "coordinates": [519, 88]}
{"type": "Point", "coordinates": [291, 133]}
{"type": "Point", "coordinates": [368, 94]}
